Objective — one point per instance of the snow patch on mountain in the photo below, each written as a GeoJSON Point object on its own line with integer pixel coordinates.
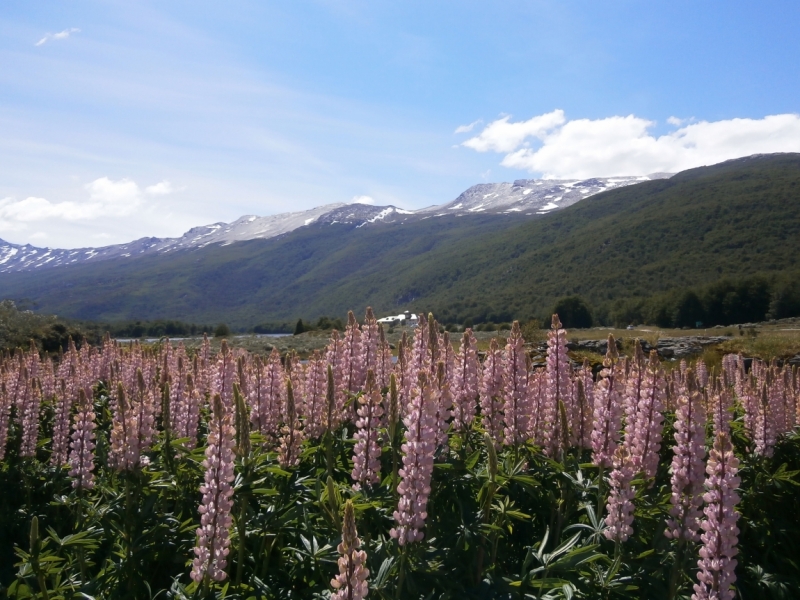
{"type": "Point", "coordinates": [523, 196]}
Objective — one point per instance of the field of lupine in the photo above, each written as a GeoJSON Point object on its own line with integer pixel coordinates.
{"type": "Point", "coordinates": [144, 472]}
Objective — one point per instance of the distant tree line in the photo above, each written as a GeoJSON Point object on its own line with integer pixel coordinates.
{"type": "Point", "coordinates": [725, 302]}
{"type": "Point", "coordinates": [158, 328]}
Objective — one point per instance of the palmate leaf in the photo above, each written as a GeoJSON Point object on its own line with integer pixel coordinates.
{"type": "Point", "coordinates": [784, 476]}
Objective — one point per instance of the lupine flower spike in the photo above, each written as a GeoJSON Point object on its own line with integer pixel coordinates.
{"type": "Point", "coordinates": [649, 424]}
{"type": "Point", "coordinates": [516, 411]}
{"type": "Point", "coordinates": [717, 564]}
{"type": "Point", "coordinates": [558, 390]}
{"type": "Point", "coordinates": [213, 536]}
{"type": "Point", "coordinates": [81, 458]}
{"type": "Point", "coordinates": [490, 388]}
{"type": "Point", "coordinates": [607, 409]}
{"type": "Point", "coordinates": [291, 432]}
{"type": "Point", "coordinates": [465, 382]}
{"type": "Point", "coordinates": [620, 500]}
{"type": "Point", "coordinates": [418, 450]}
{"type": "Point", "coordinates": [687, 466]}
{"type": "Point", "coordinates": [367, 453]}
{"type": "Point", "coordinates": [351, 582]}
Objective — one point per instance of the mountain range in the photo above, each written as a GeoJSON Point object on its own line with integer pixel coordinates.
{"type": "Point", "coordinates": [525, 197]}
{"type": "Point", "coordinates": [733, 220]}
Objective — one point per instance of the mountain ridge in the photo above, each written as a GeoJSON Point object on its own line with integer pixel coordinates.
{"type": "Point", "coordinates": [531, 197]}
{"type": "Point", "coordinates": [733, 220]}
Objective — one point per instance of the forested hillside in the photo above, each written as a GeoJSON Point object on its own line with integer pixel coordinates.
{"type": "Point", "coordinates": [629, 253]}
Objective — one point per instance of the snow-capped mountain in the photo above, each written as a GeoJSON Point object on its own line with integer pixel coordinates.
{"type": "Point", "coordinates": [527, 197]}
{"type": "Point", "coordinates": [531, 196]}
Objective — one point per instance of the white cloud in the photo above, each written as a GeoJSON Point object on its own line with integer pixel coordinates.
{"type": "Point", "coordinates": [160, 189]}
{"type": "Point", "coordinates": [362, 200]}
{"type": "Point", "coordinates": [676, 121]}
{"type": "Point", "coordinates": [467, 128]}
{"type": "Point", "coordinates": [107, 198]}
{"type": "Point", "coordinates": [61, 35]}
{"type": "Point", "coordinates": [502, 136]}
{"type": "Point", "coordinates": [39, 235]}
{"type": "Point", "coordinates": [624, 145]}
{"type": "Point", "coordinates": [113, 193]}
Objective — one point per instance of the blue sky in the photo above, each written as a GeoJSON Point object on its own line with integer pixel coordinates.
{"type": "Point", "coordinates": [120, 120]}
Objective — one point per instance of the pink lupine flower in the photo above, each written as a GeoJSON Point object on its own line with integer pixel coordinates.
{"type": "Point", "coordinates": [267, 395]}
{"type": "Point", "coordinates": [192, 419]}
{"type": "Point", "coordinates": [632, 394]}
{"type": "Point", "coordinates": [444, 405]}
{"type": "Point", "coordinates": [367, 452]}
{"type": "Point", "coordinates": [516, 411]}
{"type": "Point", "coordinates": [384, 366]}
{"type": "Point", "coordinates": [620, 499]}
{"type": "Point", "coordinates": [749, 396]}
{"type": "Point", "coordinates": [490, 389]}
{"type": "Point", "coordinates": [32, 361]}
{"type": "Point", "coordinates": [81, 456]}
{"type": "Point", "coordinates": [295, 371]}
{"type": "Point", "coordinates": [213, 535]}
{"type": "Point", "coordinates": [370, 342]}
{"type": "Point", "coordinates": [5, 415]}
{"type": "Point", "coordinates": [256, 393]}
{"type": "Point", "coordinates": [17, 381]}
{"type": "Point", "coordinates": [420, 357]}
{"type": "Point", "coordinates": [646, 443]}
{"type": "Point", "coordinates": [47, 379]}
{"type": "Point", "coordinates": [124, 452]}
{"type": "Point", "coordinates": [775, 399]}
{"type": "Point", "coordinates": [351, 582]}
{"type": "Point", "coordinates": [687, 467]}
{"type": "Point", "coordinates": [465, 382]}
{"type": "Point", "coordinates": [537, 399]}
{"type": "Point", "coordinates": [30, 402]}
{"type": "Point", "coordinates": [418, 450]}
{"type": "Point", "coordinates": [334, 356]}
{"type": "Point", "coordinates": [583, 407]}
{"type": "Point", "coordinates": [781, 398]}
{"type": "Point", "coordinates": [702, 374]}
{"type": "Point", "coordinates": [224, 375]}
{"type": "Point", "coordinates": [558, 388]}
{"type": "Point", "coordinates": [717, 563]}
{"type": "Point", "coordinates": [607, 409]}
{"type": "Point", "coordinates": [145, 412]}
{"type": "Point", "coordinates": [63, 407]}
{"type": "Point", "coordinates": [720, 405]}
{"type": "Point", "coordinates": [203, 372]}
{"type": "Point", "coordinates": [402, 373]}
{"type": "Point", "coordinates": [765, 434]}
{"type": "Point", "coordinates": [789, 398]}
{"type": "Point", "coordinates": [316, 388]}
{"type": "Point", "coordinates": [433, 341]}
{"type": "Point", "coordinates": [352, 366]}
{"type": "Point", "coordinates": [175, 377]}
{"type": "Point", "coordinates": [447, 355]}
{"type": "Point", "coordinates": [291, 433]}
{"type": "Point", "coordinates": [175, 365]}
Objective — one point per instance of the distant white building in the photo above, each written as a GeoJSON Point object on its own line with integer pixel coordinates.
{"type": "Point", "coordinates": [405, 318]}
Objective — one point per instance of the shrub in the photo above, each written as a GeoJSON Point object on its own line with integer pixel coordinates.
{"type": "Point", "coordinates": [573, 312]}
